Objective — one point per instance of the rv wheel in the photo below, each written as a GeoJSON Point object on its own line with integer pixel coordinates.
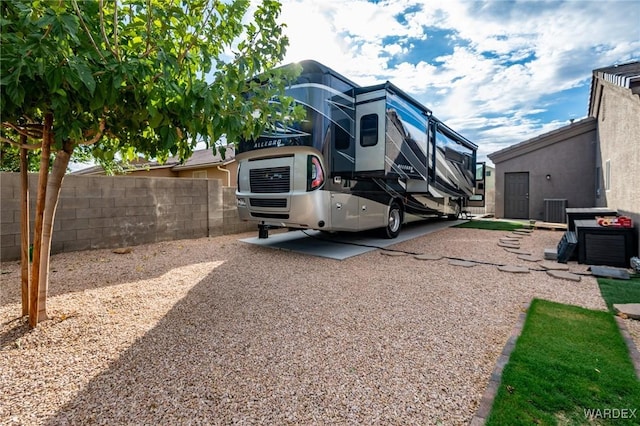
{"type": "Point", "coordinates": [394, 221]}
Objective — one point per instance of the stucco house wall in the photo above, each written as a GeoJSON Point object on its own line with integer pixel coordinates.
{"type": "Point", "coordinates": [490, 190]}
{"type": "Point", "coordinates": [567, 155]}
{"type": "Point", "coordinates": [228, 174]}
{"type": "Point", "coordinates": [159, 172]}
{"type": "Point", "coordinates": [616, 107]}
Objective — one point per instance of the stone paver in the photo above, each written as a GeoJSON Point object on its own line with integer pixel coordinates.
{"type": "Point", "coordinates": [464, 263]}
{"type": "Point", "coordinates": [632, 310]}
{"type": "Point", "coordinates": [610, 272]}
{"type": "Point", "coordinates": [530, 257]}
{"type": "Point", "coordinates": [428, 257]}
{"type": "Point", "coordinates": [393, 253]}
{"type": "Point", "coordinates": [564, 275]}
{"type": "Point", "coordinates": [551, 254]}
{"type": "Point", "coordinates": [509, 245]}
{"type": "Point", "coordinates": [516, 251]}
{"type": "Point", "coordinates": [554, 266]}
{"type": "Point", "coordinates": [509, 240]}
{"type": "Point", "coordinates": [514, 269]}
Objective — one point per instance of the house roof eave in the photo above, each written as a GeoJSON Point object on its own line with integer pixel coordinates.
{"type": "Point", "coordinates": [583, 126]}
{"type": "Point", "coordinates": [182, 167]}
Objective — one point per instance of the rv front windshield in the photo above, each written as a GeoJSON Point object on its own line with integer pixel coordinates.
{"type": "Point", "coordinates": [307, 132]}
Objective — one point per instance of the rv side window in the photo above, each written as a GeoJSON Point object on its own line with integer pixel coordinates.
{"type": "Point", "coordinates": [369, 130]}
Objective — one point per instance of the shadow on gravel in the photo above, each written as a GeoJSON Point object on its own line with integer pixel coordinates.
{"type": "Point", "coordinates": [247, 345]}
{"type": "Point", "coordinates": [218, 356]}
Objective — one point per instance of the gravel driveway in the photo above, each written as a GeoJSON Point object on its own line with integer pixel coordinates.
{"type": "Point", "coordinates": [216, 331]}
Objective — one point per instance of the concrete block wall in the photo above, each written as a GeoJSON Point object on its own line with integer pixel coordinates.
{"type": "Point", "coordinates": [108, 212]}
{"type": "Point", "coordinates": [232, 224]}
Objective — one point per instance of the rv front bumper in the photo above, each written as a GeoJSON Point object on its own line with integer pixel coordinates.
{"type": "Point", "coordinates": [308, 210]}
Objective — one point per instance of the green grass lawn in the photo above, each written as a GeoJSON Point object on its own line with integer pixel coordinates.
{"type": "Point", "coordinates": [566, 361]}
{"type": "Point", "coordinates": [619, 291]}
{"type": "Point", "coordinates": [493, 225]}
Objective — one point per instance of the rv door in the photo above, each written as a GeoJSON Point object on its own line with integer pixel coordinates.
{"type": "Point", "coordinates": [370, 131]}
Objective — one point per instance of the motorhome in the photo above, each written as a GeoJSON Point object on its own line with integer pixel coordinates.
{"type": "Point", "coordinates": [363, 158]}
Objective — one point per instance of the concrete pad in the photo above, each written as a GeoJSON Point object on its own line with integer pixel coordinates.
{"type": "Point", "coordinates": [530, 257]}
{"type": "Point", "coordinates": [463, 263]}
{"type": "Point", "coordinates": [554, 266]}
{"type": "Point", "coordinates": [514, 269]}
{"type": "Point", "coordinates": [631, 310]}
{"type": "Point", "coordinates": [428, 257]}
{"type": "Point", "coordinates": [343, 245]}
{"type": "Point", "coordinates": [564, 275]}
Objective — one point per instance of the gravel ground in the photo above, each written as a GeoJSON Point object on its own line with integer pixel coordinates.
{"type": "Point", "coordinates": [216, 331]}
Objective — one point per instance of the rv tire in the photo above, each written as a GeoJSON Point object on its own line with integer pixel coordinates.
{"type": "Point", "coordinates": [394, 221]}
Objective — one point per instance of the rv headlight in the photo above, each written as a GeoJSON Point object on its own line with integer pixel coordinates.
{"type": "Point", "coordinates": [242, 202]}
{"type": "Point", "coordinates": [315, 174]}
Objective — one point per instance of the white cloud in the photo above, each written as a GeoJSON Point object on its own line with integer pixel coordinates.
{"type": "Point", "coordinates": [509, 58]}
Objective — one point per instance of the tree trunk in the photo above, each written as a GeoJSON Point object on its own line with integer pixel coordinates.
{"type": "Point", "coordinates": [37, 312]}
{"type": "Point", "coordinates": [53, 194]}
{"type": "Point", "coordinates": [24, 226]}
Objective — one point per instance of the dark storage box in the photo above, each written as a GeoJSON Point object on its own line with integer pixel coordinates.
{"type": "Point", "coordinates": [604, 245]}
{"type": "Point", "coordinates": [574, 214]}
{"type": "Point", "coordinates": [566, 247]}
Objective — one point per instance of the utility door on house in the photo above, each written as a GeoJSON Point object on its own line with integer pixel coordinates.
{"type": "Point", "coordinates": [516, 195]}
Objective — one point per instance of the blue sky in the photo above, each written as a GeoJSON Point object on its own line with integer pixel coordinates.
{"type": "Point", "coordinates": [498, 72]}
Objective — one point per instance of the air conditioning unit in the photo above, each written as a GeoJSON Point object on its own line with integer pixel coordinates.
{"type": "Point", "coordinates": [554, 210]}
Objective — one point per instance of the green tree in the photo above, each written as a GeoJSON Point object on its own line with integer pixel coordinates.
{"type": "Point", "coordinates": [10, 158]}
{"type": "Point", "coordinates": [151, 77]}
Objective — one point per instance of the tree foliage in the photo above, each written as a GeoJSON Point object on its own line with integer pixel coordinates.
{"type": "Point", "coordinates": [10, 159]}
{"type": "Point", "coordinates": [162, 75]}
{"type": "Point", "coordinates": [130, 77]}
